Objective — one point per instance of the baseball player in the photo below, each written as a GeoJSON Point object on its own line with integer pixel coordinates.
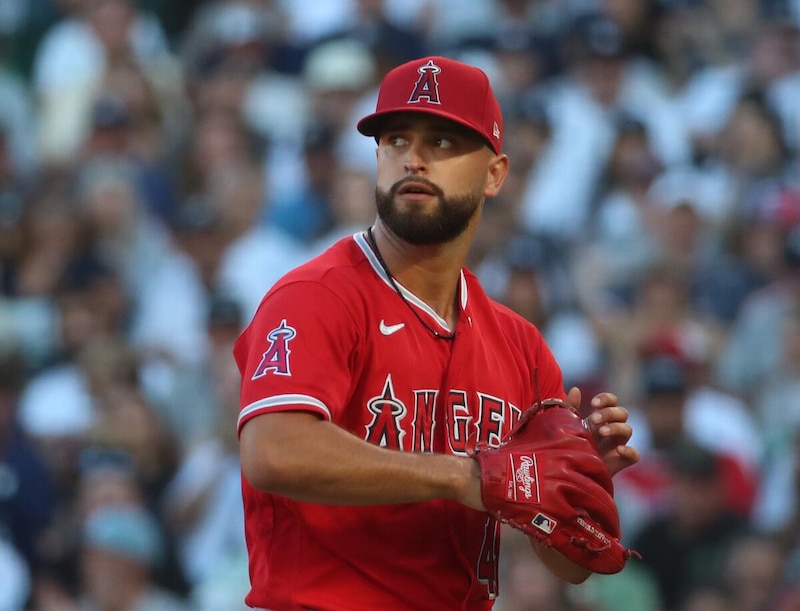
{"type": "Point", "coordinates": [370, 374]}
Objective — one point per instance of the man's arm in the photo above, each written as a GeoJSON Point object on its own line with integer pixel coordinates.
{"type": "Point", "coordinates": [300, 456]}
{"type": "Point", "coordinates": [305, 458]}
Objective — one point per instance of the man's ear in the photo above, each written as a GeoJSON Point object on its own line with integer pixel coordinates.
{"type": "Point", "coordinates": [496, 175]}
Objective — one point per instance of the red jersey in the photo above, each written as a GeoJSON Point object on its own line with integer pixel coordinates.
{"type": "Point", "coordinates": [334, 338]}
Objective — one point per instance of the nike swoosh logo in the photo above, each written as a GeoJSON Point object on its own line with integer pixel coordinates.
{"type": "Point", "coordinates": [389, 329]}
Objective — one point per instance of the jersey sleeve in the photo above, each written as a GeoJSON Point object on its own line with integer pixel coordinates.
{"type": "Point", "coordinates": [297, 352]}
{"type": "Point", "coordinates": [545, 370]}
{"type": "Point", "coordinates": [550, 377]}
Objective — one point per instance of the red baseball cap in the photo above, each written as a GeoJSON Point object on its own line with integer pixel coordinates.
{"type": "Point", "coordinates": [443, 87]}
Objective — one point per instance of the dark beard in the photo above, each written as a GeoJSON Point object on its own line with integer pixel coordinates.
{"type": "Point", "coordinates": [445, 223]}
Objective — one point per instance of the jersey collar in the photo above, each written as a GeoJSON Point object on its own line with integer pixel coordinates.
{"type": "Point", "coordinates": [361, 240]}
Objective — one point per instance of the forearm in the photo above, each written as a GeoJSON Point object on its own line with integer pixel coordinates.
{"type": "Point", "coordinates": [301, 457]}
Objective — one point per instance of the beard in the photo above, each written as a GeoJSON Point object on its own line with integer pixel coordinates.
{"type": "Point", "coordinates": [423, 227]}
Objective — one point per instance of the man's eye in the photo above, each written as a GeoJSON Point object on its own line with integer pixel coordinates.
{"type": "Point", "coordinates": [443, 143]}
{"type": "Point", "coordinates": [397, 141]}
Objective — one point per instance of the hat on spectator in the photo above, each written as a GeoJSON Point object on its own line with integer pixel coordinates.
{"type": "Point", "coordinates": [693, 461]}
{"type": "Point", "coordinates": [664, 374]}
{"type": "Point", "coordinates": [110, 111]}
{"type": "Point", "coordinates": [127, 530]}
{"type": "Point", "coordinates": [339, 65]}
{"type": "Point", "coordinates": [442, 87]}
{"type": "Point", "coordinates": [527, 253]}
{"type": "Point", "coordinates": [67, 389]}
{"type": "Point", "coordinates": [239, 24]}
{"type": "Point", "coordinates": [224, 311]}
{"type": "Point", "coordinates": [597, 35]}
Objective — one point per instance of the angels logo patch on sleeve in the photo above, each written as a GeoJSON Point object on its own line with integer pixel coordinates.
{"type": "Point", "coordinates": [276, 356]}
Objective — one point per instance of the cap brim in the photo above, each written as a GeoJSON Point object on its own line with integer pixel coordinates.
{"type": "Point", "coordinates": [371, 124]}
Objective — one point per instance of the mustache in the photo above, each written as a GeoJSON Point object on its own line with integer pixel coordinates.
{"type": "Point", "coordinates": [416, 179]}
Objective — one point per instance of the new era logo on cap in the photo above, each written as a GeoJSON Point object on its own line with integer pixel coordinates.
{"type": "Point", "coordinates": [443, 87]}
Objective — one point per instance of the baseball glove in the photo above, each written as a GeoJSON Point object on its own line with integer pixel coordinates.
{"type": "Point", "coordinates": [548, 480]}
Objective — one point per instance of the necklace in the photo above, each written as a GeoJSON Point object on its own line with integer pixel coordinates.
{"type": "Point", "coordinates": [374, 246]}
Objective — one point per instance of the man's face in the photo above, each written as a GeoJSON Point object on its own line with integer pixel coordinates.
{"type": "Point", "coordinates": [432, 177]}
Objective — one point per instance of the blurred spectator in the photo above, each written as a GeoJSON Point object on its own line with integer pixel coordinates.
{"type": "Point", "coordinates": [256, 254]}
{"type": "Point", "coordinates": [202, 502]}
{"type": "Point", "coordinates": [218, 139]}
{"type": "Point", "coordinates": [62, 382]}
{"type": "Point", "coordinates": [528, 277]}
{"type": "Point", "coordinates": [125, 234]}
{"type": "Point", "coordinates": [627, 220]}
{"type": "Point", "coordinates": [72, 59]}
{"type": "Point", "coordinates": [18, 120]}
{"type": "Point", "coordinates": [671, 411]}
{"type": "Point", "coordinates": [55, 239]}
{"type": "Point", "coordinates": [687, 548]}
{"type": "Point", "coordinates": [745, 260]}
{"type": "Point", "coordinates": [390, 43]}
{"type": "Point", "coordinates": [128, 130]}
{"type": "Point", "coordinates": [336, 74]}
{"type": "Point", "coordinates": [121, 545]}
{"type": "Point", "coordinates": [780, 499]}
{"type": "Point", "coordinates": [317, 18]}
{"type": "Point", "coordinates": [27, 489]}
{"type": "Point", "coordinates": [442, 28]}
{"type": "Point", "coordinates": [305, 211]}
{"type": "Point", "coordinates": [754, 574]}
{"type": "Point", "coordinates": [750, 153]}
{"type": "Point", "coordinates": [241, 61]}
{"type": "Point", "coordinates": [602, 80]}
{"type": "Point", "coordinates": [753, 353]}
{"type": "Point", "coordinates": [752, 579]}
{"type": "Point", "coordinates": [352, 206]}
{"type": "Point", "coordinates": [653, 308]}
{"type": "Point", "coordinates": [134, 243]}
{"type": "Point", "coordinates": [767, 61]}
{"type": "Point", "coordinates": [636, 20]}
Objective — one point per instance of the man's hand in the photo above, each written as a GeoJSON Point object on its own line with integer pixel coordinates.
{"type": "Point", "coordinates": [608, 423]}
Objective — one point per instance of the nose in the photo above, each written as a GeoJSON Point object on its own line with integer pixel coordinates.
{"type": "Point", "coordinates": [414, 158]}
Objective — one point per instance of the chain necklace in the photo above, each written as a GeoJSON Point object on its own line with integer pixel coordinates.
{"type": "Point", "coordinates": [374, 246]}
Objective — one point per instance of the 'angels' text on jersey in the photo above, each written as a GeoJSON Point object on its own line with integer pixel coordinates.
{"type": "Point", "coordinates": [398, 426]}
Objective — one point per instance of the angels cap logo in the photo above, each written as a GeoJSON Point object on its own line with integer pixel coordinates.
{"type": "Point", "coordinates": [276, 356]}
{"type": "Point", "coordinates": [427, 85]}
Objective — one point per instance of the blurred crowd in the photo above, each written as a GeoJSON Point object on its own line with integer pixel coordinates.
{"type": "Point", "coordinates": [162, 163]}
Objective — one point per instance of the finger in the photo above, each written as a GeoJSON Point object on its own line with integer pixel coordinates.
{"type": "Point", "coordinates": [625, 456]}
{"type": "Point", "coordinates": [620, 430]}
{"type": "Point", "coordinates": [604, 399]}
{"type": "Point", "coordinates": [629, 453]}
{"type": "Point", "coordinates": [574, 397]}
{"type": "Point", "coordinates": [608, 415]}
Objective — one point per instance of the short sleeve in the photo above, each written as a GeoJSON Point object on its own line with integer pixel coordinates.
{"type": "Point", "coordinates": [297, 352]}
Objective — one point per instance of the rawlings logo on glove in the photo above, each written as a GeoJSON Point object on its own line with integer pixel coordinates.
{"type": "Point", "coordinates": [548, 480]}
{"type": "Point", "coordinates": [527, 481]}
